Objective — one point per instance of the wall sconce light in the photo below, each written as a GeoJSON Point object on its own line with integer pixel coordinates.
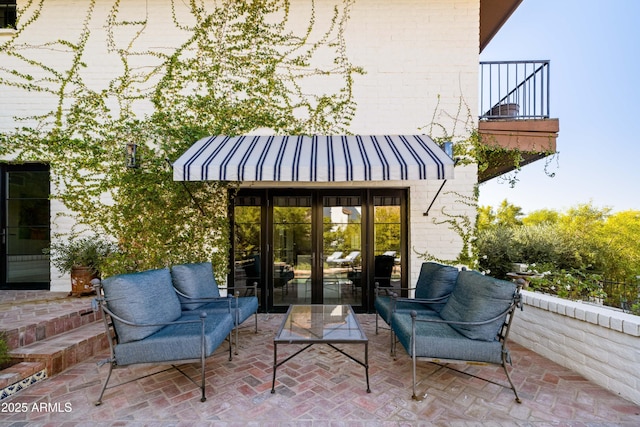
{"type": "Point", "coordinates": [131, 155]}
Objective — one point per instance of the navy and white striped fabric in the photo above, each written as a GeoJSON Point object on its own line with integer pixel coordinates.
{"type": "Point", "coordinates": [313, 159]}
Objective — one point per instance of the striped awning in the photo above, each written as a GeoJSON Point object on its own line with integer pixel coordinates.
{"type": "Point", "coordinates": [313, 159]}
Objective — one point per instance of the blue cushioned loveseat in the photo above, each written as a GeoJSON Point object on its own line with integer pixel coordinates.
{"type": "Point", "coordinates": [198, 291]}
{"type": "Point", "coordinates": [145, 324]}
{"type": "Point", "coordinates": [435, 283]}
{"type": "Point", "coordinates": [473, 325]}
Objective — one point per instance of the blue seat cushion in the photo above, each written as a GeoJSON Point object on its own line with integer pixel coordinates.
{"type": "Point", "coordinates": [195, 281]}
{"type": "Point", "coordinates": [436, 281]}
{"type": "Point", "coordinates": [143, 298]}
{"type": "Point", "coordinates": [476, 298]}
{"type": "Point", "coordinates": [246, 307]}
{"type": "Point", "coordinates": [177, 342]}
{"type": "Point", "coordinates": [441, 341]}
{"type": "Point", "coordinates": [383, 306]}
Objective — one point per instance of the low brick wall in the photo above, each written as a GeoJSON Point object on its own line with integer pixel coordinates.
{"type": "Point", "coordinates": [599, 343]}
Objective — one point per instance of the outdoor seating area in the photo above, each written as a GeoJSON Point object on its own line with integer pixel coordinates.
{"type": "Point", "coordinates": [472, 327]}
{"type": "Point", "coordinates": [460, 317]}
{"type": "Point", "coordinates": [143, 330]}
{"type": "Point", "coordinates": [320, 385]}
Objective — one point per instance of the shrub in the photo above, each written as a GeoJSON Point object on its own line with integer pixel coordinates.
{"type": "Point", "coordinates": [496, 251]}
{"type": "Point", "coordinates": [81, 252]}
{"type": "Point", "coordinates": [545, 243]}
{"type": "Point", "coordinates": [571, 284]}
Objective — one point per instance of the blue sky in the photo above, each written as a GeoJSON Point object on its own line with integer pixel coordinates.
{"type": "Point", "coordinates": [594, 49]}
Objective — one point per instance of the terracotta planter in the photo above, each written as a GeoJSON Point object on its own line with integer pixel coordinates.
{"type": "Point", "coordinates": [505, 110]}
{"type": "Point", "coordinates": [81, 281]}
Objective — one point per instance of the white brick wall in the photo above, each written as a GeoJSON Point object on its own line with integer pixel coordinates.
{"type": "Point", "coordinates": [581, 337]}
{"type": "Point", "coordinates": [419, 56]}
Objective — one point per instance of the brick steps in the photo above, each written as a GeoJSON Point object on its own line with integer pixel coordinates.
{"type": "Point", "coordinates": [20, 376]}
{"type": "Point", "coordinates": [46, 337]}
{"type": "Point", "coordinates": [27, 323]}
{"type": "Point", "coordinates": [16, 373]}
{"type": "Point", "coordinates": [60, 352]}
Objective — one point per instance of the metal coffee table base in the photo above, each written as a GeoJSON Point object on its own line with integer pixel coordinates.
{"type": "Point", "coordinates": [364, 364]}
{"type": "Point", "coordinates": [309, 324]}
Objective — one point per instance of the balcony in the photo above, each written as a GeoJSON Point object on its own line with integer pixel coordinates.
{"type": "Point", "coordinates": [514, 106]}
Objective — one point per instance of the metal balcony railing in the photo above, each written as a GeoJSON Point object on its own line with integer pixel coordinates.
{"type": "Point", "coordinates": [514, 90]}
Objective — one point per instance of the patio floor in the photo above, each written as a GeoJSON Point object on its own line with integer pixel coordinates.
{"type": "Point", "coordinates": [319, 387]}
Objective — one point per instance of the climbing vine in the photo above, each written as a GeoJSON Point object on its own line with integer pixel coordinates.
{"type": "Point", "coordinates": [470, 148]}
{"type": "Point", "coordinates": [230, 67]}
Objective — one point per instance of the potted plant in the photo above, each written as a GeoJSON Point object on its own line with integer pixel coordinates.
{"type": "Point", "coordinates": [82, 258]}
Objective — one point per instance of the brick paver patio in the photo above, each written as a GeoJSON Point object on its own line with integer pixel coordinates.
{"type": "Point", "coordinates": [320, 387]}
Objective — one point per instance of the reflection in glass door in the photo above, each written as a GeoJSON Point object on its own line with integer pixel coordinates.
{"type": "Point", "coordinates": [24, 226]}
{"type": "Point", "coordinates": [342, 250]}
{"type": "Point", "coordinates": [293, 260]}
{"type": "Point", "coordinates": [319, 246]}
{"type": "Point", "coordinates": [387, 231]}
{"type": "Point", "coordinates": [247, 237]}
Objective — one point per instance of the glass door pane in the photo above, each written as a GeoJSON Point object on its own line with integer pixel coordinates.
{"type": "Point", "coordinates": [292, 250]}
{"type": "Point", "coordinates": [342, 250]}
{"type": "Point", "coordinates": [387, 230]}
{"type": "Point", "coordinates": [247, 245]}
{"type": "Point", "coordinates": [25, 229]}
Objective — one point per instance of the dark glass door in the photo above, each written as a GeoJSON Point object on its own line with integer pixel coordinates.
{"type": "Point", "coordinates": [318, 246]}
{"type": "Point", "coordinates": [294, 260]}
{"type": "Point", "coordinates": [342, 249]}
{"type": "Point", "coordinates": [24, 226]}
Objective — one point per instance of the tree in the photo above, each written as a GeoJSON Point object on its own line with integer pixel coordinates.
{"type": "Point", "coordinates": [582, 225]}
{"type": "Point", "coordinates": [486, 218]}
{"type": "Point", "coordinates": [506, 215]}
{"type": "Point", "coordinates": [387, 228]}
{"type": "Point", "coordinates": [509, 215]}
{"type": "Point", "coordinates": [573, 250]}
{"type": "Point", "coordinates": [540, 217]}
{"type": "Point", "coordinates": [620, 245]}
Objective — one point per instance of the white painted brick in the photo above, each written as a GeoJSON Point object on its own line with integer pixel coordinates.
{"type": "Point", "coordinates": [591, 317]}
{"type": "Point", "coordinates": [598, 350]}
{"type": "Point", "coordinates": [616, 324]}
{"type": "Point", "coordinates": [580, 314]}
{"type": "Point", "coordinates": [419, 56]}
{"type": "Point", "coordinates": [631, 327]}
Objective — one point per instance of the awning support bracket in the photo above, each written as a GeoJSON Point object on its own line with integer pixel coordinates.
{"type": "Point", "coordinates": [426, 213]}
{"type": "Point", "coordinates": [193, 199]}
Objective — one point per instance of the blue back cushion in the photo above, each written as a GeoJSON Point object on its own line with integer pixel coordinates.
{"type": "Point", "coordinates": [475, 298]}
{"type": "Point", "coordinates": [436, 281]}
{"type": "Point", "coordinates": [195, 281]}
{"type": "Point", "coordinates": [145, 297]}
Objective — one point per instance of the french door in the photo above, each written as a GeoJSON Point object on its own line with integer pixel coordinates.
{"type": "Point", "coordinates": [24, 226]}
{"type": "Point", "coordinates": [318, 246]}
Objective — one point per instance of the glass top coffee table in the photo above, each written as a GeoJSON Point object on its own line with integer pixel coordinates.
{"type": "Point", "coordinates": [320, 324]}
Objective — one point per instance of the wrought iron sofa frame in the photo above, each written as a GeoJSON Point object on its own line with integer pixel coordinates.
{"type": "Point", "coordinates": [235, 309]}
{"type": "Point", "coordinates": [101, 303]}
{"type": "Point", "coordinates": [503, 333]}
